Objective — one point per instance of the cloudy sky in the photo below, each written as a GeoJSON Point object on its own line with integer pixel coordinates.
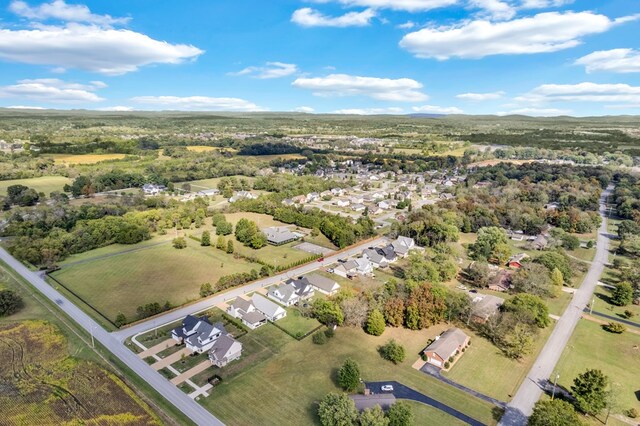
{"type": "Point", "coordinates": [534, 57]}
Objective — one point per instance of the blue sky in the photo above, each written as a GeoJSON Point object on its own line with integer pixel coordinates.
{"type": "Point", "coordinates": [535, 57]}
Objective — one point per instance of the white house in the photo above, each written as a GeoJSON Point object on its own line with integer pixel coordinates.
{"type": "Point", "coordinates": [245, 311]}
{"type": "Point", "coordinates": [343, 203]}
{"type": "Point", "coordinates": [377, 258]}
{"type": "Point", "coordinates": [153, 189]}
{"type": "Point", "coordinates": [285, 294]}
{"type": "Point", "coordinates": [402, 246]}
{"type": "Point", "coordinates": [353, 267]}
{"type": "Point", "coordinates": [271, 310]}
{"type": "Point", "coordinates": [386, 204]}
{"type": "Point", "coordinates": [242, 195]}
{"type": "Point", "coordinates": [321, 284]}
{"type": "Point", "coordinates": [198, 334]}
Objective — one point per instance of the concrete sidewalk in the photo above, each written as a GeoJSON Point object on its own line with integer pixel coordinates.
{"type": "Point", "coordinates": [191, 372]}
{"type": "Point", "coordinates": [171, 359]}
{"type": "Point", "coordinates": [157, 348]}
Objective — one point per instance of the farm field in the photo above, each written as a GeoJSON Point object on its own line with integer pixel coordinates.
{"type": "Point", "coordinates": [477, 367]}
{"type": "Point", "coordinates": [613, 354]}
{"type": "Point", "coordinates": [160, 273]}
{"type": "Point", "coordinates": [72, 159]}
{"type": "Point", "coordinates": [46, 184]}
{"type": "Point", "coordinates": [284, 387]}
{"type": "Point", "coordinates": [53, 387]}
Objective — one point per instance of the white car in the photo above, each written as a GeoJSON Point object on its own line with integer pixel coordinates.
{"type": "Point", "coordinates": [387, 388]}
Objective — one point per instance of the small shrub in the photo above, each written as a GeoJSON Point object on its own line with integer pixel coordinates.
{"type": "Point", "coordinates": [628, 314]}
{"type": "Point", "coordinates": [632, 412]}
{"type": "Point", "coordinates": [319, 338]}
{"type": "Point", "coordinates": [424, 356]}
{"type": "Point", "coordinates": [179, 243]}
{"type": "Point", "coordinates": [450, 359]}
{"type": "Point", "coordinates": [329, 332]}
{"type": "Point", "coordinates": [615, 327]}
{"type": "Point", "coordinates": [10, 302]}
{"type": "Point", "coordinates": [447, 364]}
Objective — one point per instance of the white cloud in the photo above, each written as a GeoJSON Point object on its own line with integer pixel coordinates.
{"type": "Point", "coordinates": [407, 25]}
{"type": "Point", "coordinates": [406, 5]}
{"type": "Point", "coordinates": [118, 108]}
{"type": "Point", "coordinates": [543, 4]}
{"type": "Point", "coordinates": [91, 48]}
{"type": "Point", "coordinates": [305, 109]}
{"type": "Point", "coordinates": [308, 17]}
{"type": "Point", "coordinates": [537, 112]}
{"type": "Point", "coordinates": [197, 103]}
{"type": "Point", "coordinates": [53, 90]}
{"type": "Point", "coordinates": [60, 10]}
{"type": "Point", "coordinates": [479, 97]}
{"type": "Point", "coordinates": [544, 32]}
{"type": "Point", "coordinates": [24, 107]}
{"type": "Point", "coordinates": [615, 60]}
{"type": "Point", "coordinates": [582, 92]}
{"type": "Point", "coordinates": [370, 111]}
{"type": "Point", "coordinates": [434, 109]}
{"type": "Point", "coordinates": [495, 9]}
{"type": "Point", "coordinates": [270, 70]}
{"type": "Point", "coordinates": [384, 89]}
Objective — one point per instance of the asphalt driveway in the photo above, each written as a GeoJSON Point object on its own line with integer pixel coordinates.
{"type": "Point", "coordinates": [401, 391]}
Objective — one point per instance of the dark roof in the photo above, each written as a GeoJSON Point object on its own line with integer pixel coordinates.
{"type": "Point", "coordinates": [188, 323]}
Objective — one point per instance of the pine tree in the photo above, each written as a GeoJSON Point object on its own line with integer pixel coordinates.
{"type": "Point", "coordinates": [205, 240]}
{"type": "Point", "coordinates": [375, 323]}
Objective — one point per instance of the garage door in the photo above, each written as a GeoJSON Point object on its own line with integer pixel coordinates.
{"type": "Point", "coordinates": [435, 361]}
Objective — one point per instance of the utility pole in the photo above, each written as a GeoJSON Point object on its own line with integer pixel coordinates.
{"type": "Point", "coordinates": [591, 306]}
{"type": "Point", "coordinates": [555, 383]}
{"type": "Point", "coordinates": [93, 343]}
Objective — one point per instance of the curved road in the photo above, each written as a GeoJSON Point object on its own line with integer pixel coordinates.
{"type": "Point", "coordinates": [175, 396]}
{"type": "Point", "coordinates": [532, 387]}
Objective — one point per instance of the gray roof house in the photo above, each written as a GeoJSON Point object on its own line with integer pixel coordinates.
{"type": "Point", "coordinates": [322, 284]}
{"type": "Point", "coordinates": [402, 245]}
{"type": "Point", "coordinates": [376, 257]}
{"type": "Point", "coordinates": [225, 350]}
{"type": "Point", "coordinates": [278, 235]}
{"type": "Point", "coordinates": [271, 310]}
{"type": "Point", "coordinates": [484, 306]}
{"type": "Point", "coordinates": [304, 289]}
{"type": "Point", "coordinates": [247, 313]}
{"type": "Point", "coordinates": [384, 400]}
{"type": "Point", "coordinates": [284, 294]}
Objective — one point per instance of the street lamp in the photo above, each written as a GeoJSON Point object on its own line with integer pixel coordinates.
{"type": "Point", "coordinates": [555, 383]}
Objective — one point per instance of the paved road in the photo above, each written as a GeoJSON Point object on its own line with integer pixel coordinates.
{"type": "Point", "coordinates": [404, 392]}
{"type": "Point", "coordinates": [175, 396]}
{"type": "Point", "coordinates": [614, 318]}
{"type": "Point", "coordinates": [532, 387]}
{"type": "Point", "coordinates": [434, 372]}
{"type": "Point", "coordinates": [208, 303]}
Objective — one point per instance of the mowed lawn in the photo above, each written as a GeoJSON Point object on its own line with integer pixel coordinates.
{"type": "Point", "coordinates": [617, 355]}
{"type": "Point", "coordinates": [122, 283]}
{"type": "Point", "coordinates": [285, 388]}
{"type": "Point", "coordinates": [197, 185]}
{"type": "Point", "coordinates": [46, 184]}
{"type": "Point", "coordinates": [484, 368]}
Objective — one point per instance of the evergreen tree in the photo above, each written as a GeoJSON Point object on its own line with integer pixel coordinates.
{"type": "Point", "coordinates": [349, 375]}
{"type": "Point", "coordinates": [205, 240]}
{"type": "Point", "coordinates": [590, 391]}
{"type": "Point", "coordinates": [375, 323]}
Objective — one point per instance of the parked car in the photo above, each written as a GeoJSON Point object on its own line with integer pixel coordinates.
{"type": "Point", "coordinates": [387, 388]}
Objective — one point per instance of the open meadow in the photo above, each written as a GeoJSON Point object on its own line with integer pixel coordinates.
{"type": "Point", "coordinates": [46, 184]}
{"type": "Point", "coordinates": [616, 355]}
{"type": "Point", "coordinates": [122, 282]}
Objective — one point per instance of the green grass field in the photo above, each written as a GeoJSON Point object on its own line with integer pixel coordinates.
{"type": "Point", "coordinates": [46, 184]}
{"type": "Point", "coordinates": [296, 324]}
{"type": "Point", "coordinates": [479, 366]}
{"type": "Point", "coordinates": [614, 354]}
{"type": "Point", "coordinates": [123, 282]}
{"type": "Point", "coordinates": [604, 305]}
{"type": "Point", "coordinates": [285, 387]}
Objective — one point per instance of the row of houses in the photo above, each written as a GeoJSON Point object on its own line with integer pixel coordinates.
{"type": "Point", "coordinates": [376, 257]}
